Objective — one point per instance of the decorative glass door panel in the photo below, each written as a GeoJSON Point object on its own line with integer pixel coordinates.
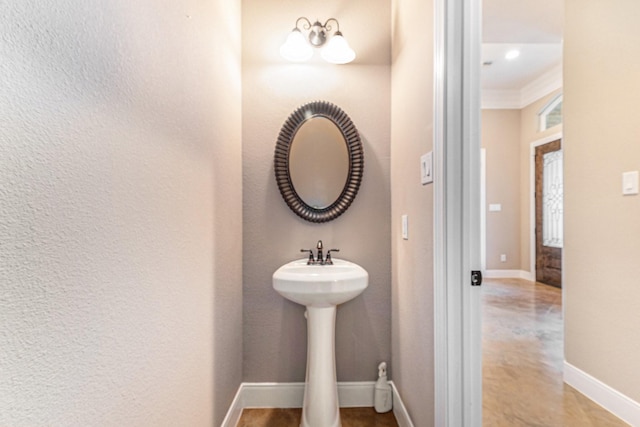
{"type": "Point", "coordinates": [552, 200]}
{"type": "Point", "coordinates": [549, 229]}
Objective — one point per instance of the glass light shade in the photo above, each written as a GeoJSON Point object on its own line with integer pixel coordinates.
{"type": "Point", "coordinates": [296, 48]}
{"type": "Point", "coordinates": [338, 51]}
{"type": "Point", "coordinates": [512, 54]}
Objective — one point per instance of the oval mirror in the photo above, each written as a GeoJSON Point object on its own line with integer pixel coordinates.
{"type": "Point", "coordinates": [319, 161]}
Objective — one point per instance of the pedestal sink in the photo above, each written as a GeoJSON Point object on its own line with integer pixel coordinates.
{"type": "Point", "coordinates": [320, 288]}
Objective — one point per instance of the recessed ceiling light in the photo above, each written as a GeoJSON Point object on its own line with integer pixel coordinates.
{"type": "Point", "coordinates": [512, 54]}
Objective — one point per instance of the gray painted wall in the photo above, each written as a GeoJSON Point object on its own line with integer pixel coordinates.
{"type": "Point", "coordinates": [412, 135]}
{"type": "Point", "coordinates": [274, 328]}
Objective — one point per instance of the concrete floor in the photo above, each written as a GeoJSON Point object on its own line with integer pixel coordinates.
{"type": "Point", "coordinates": [523, 357]}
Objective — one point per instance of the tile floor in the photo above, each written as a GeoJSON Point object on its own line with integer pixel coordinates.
{"type": "Point", "coordinates": [522, 368]}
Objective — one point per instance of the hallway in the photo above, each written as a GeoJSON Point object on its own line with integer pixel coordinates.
{"type": "Point", "coordinates": [523, 357]}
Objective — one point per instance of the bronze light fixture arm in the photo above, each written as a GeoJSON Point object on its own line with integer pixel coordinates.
{"type": "Point", "coordinates": [307, 26]}
{"type": "Point", "coordinates": [327, 27]}
{"type": "Point", "coordinates": [317, 31]}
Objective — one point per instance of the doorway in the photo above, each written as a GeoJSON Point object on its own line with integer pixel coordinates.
{"type": "Point", "coordinates": [548, 213]}
{"type": "Point", "coordinates": [589, 269]}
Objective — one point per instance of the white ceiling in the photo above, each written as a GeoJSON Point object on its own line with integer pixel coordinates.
{"type": "Point", "coordinates": [532, 26]}
{"type": "Point", "coordinates": [535, 59]}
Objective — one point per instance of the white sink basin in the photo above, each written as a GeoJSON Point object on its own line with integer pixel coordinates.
{"type": "Point", "coordinates": [320, 288]}
{"type": "Point", "coordinates": [320, 285]}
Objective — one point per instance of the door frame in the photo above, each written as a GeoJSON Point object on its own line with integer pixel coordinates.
{"type": "Point", "coordinates": [483, 210]}
{"type": "Point", "coordinates": [457, 315]}
{"type": "Point", "coordinates": [532, 199]}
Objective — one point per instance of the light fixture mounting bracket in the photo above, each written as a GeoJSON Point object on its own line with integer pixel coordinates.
{"type": "Point", "coordinates": [317, 31]}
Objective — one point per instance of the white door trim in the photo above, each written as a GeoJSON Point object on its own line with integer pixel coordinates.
{"type": "Point", "coordinates": [483, 210]}
{"type": "Point", "coordinates": [532, 200]}
{"type": "Point", "coordinates": [457, 327]}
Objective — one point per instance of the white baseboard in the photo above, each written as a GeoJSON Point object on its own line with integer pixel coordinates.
{"type": "Point", "coordinates": [235, 410]}
{"type": "Point", "coordinates": [399, 410]}
{"type": "Point", "coordinates": [612, 400]}
{"type": "Point", "coordinates": [272, 395]}
{"type": "Point", "coordinates": [509, 274]}
{"type": "Point", "coordinates": [291, 395]}
{"type": "Point", "coordinates": [528, 275]}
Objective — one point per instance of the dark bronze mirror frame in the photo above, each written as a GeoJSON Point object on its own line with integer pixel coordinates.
{"type": "Point", "coordinates": [356, 161]}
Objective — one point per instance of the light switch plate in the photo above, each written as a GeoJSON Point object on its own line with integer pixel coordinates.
{"type": "Point", "coordinates": [495, 207]}
{"type": "Point", "coordinates": [630, 183]}
{"type": "Point", "coordinates": [426, 168]}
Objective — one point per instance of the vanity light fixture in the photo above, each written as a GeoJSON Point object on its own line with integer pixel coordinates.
{"type": "Point", "coordinates": [303, 38]}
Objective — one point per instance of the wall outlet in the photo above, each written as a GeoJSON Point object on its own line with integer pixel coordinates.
{"type": "Point", "coordinates": [503, 258]}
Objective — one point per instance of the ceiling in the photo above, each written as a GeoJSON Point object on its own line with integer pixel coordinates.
{"type": "Point", "coordinates": [534, 27]}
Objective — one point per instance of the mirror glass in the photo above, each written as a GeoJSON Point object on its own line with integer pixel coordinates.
{"type": "Point", "coordinates": [319, 162]}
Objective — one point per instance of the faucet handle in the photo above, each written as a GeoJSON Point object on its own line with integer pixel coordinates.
{"type": "Point", "coordinates": [311, 260]}
{"type": "Point", "coordinates": [328, 261]}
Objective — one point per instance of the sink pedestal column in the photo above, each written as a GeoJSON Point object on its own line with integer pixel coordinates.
{"type": "Point", "coordinates": [321, 408]}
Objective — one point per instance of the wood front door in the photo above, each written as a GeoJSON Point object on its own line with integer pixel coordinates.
{"type": "Point", "coordinates": [548, 247]}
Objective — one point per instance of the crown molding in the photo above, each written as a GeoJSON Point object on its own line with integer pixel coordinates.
{"type": "Point", "coordinates": [543, 85]}
{"type": "Point", "coordinates": [501, 100]}
{"type": "Point", "coordinates": [518, 99]}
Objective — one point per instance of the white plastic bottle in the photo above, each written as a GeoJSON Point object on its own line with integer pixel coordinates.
{"type": "Point", "coordinates": [382, 395]}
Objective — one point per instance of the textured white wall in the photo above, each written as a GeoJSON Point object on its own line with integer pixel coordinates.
{"type": "Point", "coordinates": [113, 156]}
